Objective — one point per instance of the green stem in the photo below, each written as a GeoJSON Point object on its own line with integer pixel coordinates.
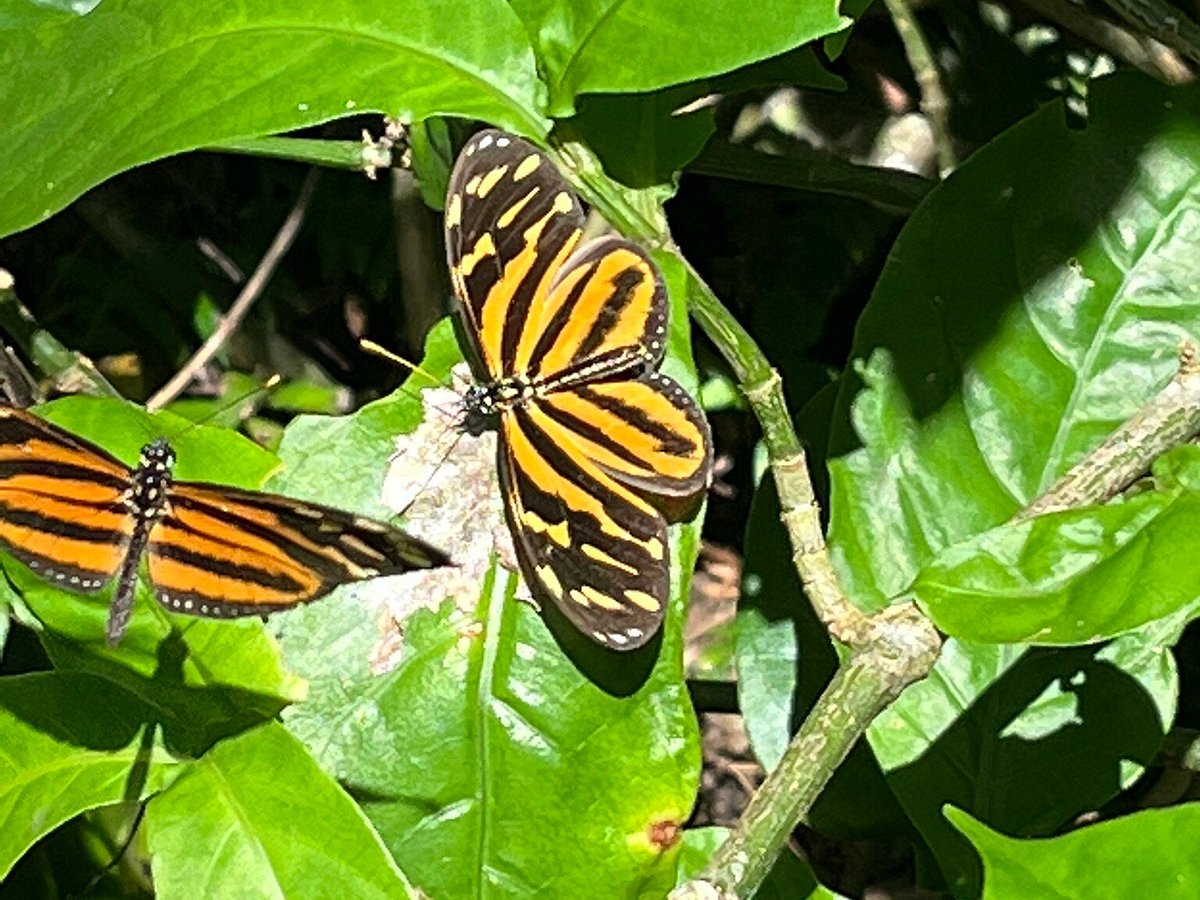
{"type": "Point", "coordinates": [902, 648]}
{"type": "Point", "coordinates": [68, 371]}
{"type": "Point", "coordinates": [890, 190]}
{"type": "Point", "coordinates": [933, 96]}
{"type": "Point", "coordinates": [1169, 419]}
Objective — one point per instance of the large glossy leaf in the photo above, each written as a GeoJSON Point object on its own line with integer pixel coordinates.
{"type": "Point", "coordinates": [1147, 854]}
{"type": "Point", "coordinates": [87, 96]}
{"type": "Point", "coordinates": [1027, 740]}
{"type": "Point", "coordinates": [1024, 313]}
{"type": "Point", "coordinates": [256, 817]}
{"type": "Point", "coordinates": [70, 742]}
{"type": "Point", "coordinates": [1074, 576]}
{"type": "Point", "coordinates": [589, 47]}
{"type": "Point", "coordinates": [469, 730]}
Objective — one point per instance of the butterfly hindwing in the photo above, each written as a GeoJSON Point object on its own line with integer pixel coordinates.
{"type": "Point", "coordinates": [225, 552]}
{"type": "Point", "coordinates": [594, 547]}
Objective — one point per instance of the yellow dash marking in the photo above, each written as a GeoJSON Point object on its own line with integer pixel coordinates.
{"type": "Point", "coordinates": [589, 596]}
{"type": "Point", "coordinates": [513, 211]}
{"type": "Point", "coordinates": [563, 203]}
{"type": "Point", "coordinates": [490, 180]}
{"type": "Point", "coordinates": [527, 166]}
{"type": "Point", "coordinates": [550, 581]}
{"type": "Point", "coordinates": [472, 186]}
{"type": "Point", "coordinates": [558, 533]}
{"type": "Point", "coordinates": [600, 556]}
{"type": "Point", "coordinates": [454, 211]}
{"type": "Point", "coordinates": [644, 600]}
{"type": "Point", "coordinates": [484, 248]}
{"type": "Point", "coordinates": [655, 548]}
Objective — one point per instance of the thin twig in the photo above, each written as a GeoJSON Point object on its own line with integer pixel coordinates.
{"type": "Point", "coordinates": [901, 648]}
{"type": "Point", "coordinates": [245, 299]}
{"type": "Point", "coordinates": [934, 103]}
{"type": "Point", "coordinates": [67, 370]}
{"type": "Point", "coordinates": [1167, 420]}
{"type": "Point", "coordinates": [1164, 21]}
{"type": "Point", "coordinates": [1141, 51]}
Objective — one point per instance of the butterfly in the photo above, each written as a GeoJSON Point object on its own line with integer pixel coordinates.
{"type": "Point", "coordinates": [79, 517]}
{"type": "Point", "coordinates": [598, 450]}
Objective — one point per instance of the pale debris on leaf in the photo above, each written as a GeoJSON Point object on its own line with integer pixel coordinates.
{"type": "Point", "coordinates": [444, 482]}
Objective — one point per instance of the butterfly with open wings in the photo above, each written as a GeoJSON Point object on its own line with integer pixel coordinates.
{"type": "Point", "coordinates": [598, 450]}
{"type": "Point", "coordinates": [79, 517]}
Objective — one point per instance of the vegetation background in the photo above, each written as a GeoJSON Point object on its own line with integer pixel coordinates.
{"type": "Point", "coordinates": [964, 234]}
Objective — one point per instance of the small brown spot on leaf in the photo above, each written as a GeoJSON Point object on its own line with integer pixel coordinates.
{"type": "Point", "coordinates": [663, 834]}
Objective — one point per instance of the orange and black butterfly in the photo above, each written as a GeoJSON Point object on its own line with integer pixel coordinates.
{"type": "Point", "coordinates": [78, 517]}
{"type": "Point", "coordinates": [597, 448]}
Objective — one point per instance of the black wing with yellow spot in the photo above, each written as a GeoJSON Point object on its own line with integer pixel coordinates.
{"type": "Point", "coordinates": [598, 450]}
{"type": "Point", "coordinates": [79, 517]}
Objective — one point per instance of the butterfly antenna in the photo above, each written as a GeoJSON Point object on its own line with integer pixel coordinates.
{"type": "Point", "coordinates": [372, 347]}
{"type": "Point", "coordinates": [266, 387]}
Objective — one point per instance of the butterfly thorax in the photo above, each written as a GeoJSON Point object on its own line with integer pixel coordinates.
{"type": "Point", "coordinates": [147, 495]}
{"type": "Point", "coordinates": [485, 402]}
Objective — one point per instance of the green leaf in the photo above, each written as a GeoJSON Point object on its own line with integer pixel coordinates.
{"type": "Point", "coordinates": [469, 729]}
{"type": "Point", "coordinates": [1146, 854]}
{"type": "Point", "coordinates": [1005, 338]}
{"type": "Point", "coordinates": [642, 139]}
{"type": "Point", "coordinates": [68, 743]}
{"type": "Point", "coordinates": [1024, 313]}
{"type": "Point", "coordinates": [1072, 577]}
{"type": "Point", "coordinates": [85, 97]}
{"type": "Point", "coordinates": [256, 817]}
{"type": "Point", "coordinates": [1027, 739]}
{"type": "Point", "coordinates": [587, 47]}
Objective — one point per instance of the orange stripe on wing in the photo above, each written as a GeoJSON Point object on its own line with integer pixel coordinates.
{"type": "Point", "coordinates": [97, 557]}
{"type": "Point", "coordinates": [174, 576]}
{"type": "Point", "coordinates": [42, 450]}
{"type": "Point", "coordinates": [656, 460]}
{"type": "Point", "coordinates": [225, 544]}
{"type": "Point", "coordinates": [114, 520]}
{"type": "Point", "coordinates": [620, 269]}
{"type": "Point", "coordinates": [51, 487]}
{"type": "Point", "coordinates": [220, 501]}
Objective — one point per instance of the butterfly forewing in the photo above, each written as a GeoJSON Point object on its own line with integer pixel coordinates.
{"type": "Point", "coordinates": [511, 223]}
{"type": "Point", "coordinates": [61, 506]}
{"type": "Point", "coordinates": [597, 449]}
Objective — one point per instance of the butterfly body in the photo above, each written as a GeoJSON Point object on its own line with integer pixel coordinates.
{"type": "Point", "coordinates": [79, 517]}
{"type": "Point", "coordinates": [598, 450]}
